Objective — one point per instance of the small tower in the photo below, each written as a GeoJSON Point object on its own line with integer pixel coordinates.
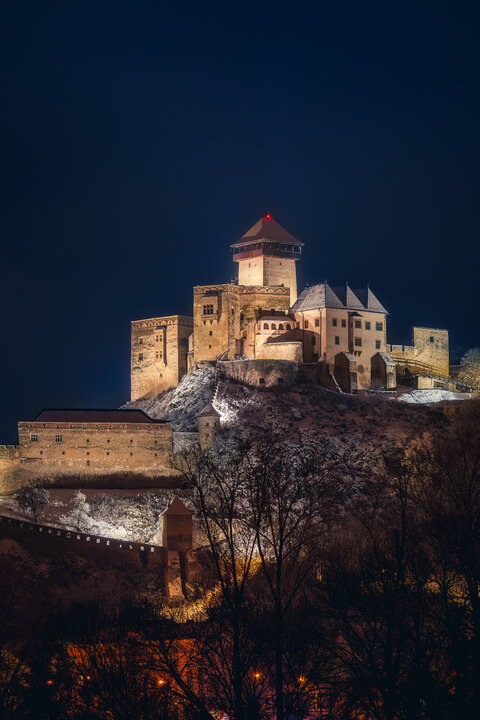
{"type": "Point", "coordinates": [208, 425]}
{"type": "Point", "coordinates": [266, 255]}
{"type": "Point", "coordinates": [177, 526]}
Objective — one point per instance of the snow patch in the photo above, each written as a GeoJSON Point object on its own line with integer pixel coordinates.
{"type": "Point", "coordinates": [432, 396]}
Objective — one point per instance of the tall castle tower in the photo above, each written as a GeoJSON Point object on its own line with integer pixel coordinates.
{"type": "Point", "coordinates": [266, 255]}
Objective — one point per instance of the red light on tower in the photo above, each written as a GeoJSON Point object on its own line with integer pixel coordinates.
{"type": "Point", "coordinates": [268, 217]}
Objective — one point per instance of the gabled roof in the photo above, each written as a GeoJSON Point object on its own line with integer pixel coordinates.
{"type": "Point", "coordinates": [369, 301]}
{"type": "Point", "coordinates": [209, 411]}
{"type": "Point", "coordinates": [177, 507]}
{"type": "Point", "coordinates": [343, 298]}
{"type": "Point", "coordinates": [94, 416]}
{"type": "Point", "coordinates": [267, 229]}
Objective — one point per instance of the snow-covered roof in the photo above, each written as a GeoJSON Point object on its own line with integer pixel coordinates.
{"type": "Point", "coordinates": [342, 298]}
{"type": "Point", "coordinates": [209, 411]}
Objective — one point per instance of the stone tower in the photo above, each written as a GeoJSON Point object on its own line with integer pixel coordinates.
{"type": "Point", "coordinates": [208, 425]}
{"type": "Point", "coordinates": [266, 255]}
{"type": "Point", "coordinates": [177, 526]}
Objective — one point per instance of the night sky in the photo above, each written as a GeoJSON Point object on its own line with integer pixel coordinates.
{"type": "Point", "coordinates": [138, 140]}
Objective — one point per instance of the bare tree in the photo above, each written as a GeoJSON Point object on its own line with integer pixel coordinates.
{"type": "Point", "coordinates": [31, 499]}
{"type": "Point", "coordinates": [469, 372]}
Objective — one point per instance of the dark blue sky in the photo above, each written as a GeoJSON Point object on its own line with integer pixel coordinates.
{"type": "Point", "coordinates": [138, 140]}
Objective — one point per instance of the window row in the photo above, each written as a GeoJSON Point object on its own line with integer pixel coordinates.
{"type": "Point", "coordinates": [273, 326]}
{"type": "Point", "coordinates": [358, 324]}
{"type": "Point", "coordinates": [358, 342]}
{"type": "Point", "coordinates": [59, 439]}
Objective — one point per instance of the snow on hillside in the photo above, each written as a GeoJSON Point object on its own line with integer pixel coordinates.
{"type": "Point", "coordinates": [181, 405]}
{"type": "Point", "coordinates": [432, 396]}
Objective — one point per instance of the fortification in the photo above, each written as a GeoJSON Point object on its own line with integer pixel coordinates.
{"type": "Point", "coordinates": [428, 355]}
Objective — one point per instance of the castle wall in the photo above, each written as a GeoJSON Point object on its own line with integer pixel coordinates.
{"type": "Point", "coordinates": [268, 270]}
{"type": "Point", "coordinates": [258, 373]}
{"type": "Point", "coordinates": [95, 448]}
{"type": "Point", "coordinates": [289, 350]}
{"type": "Point", "coordinates": [428, 354]}
{"type": "Point", "coordinates": [159, 350]}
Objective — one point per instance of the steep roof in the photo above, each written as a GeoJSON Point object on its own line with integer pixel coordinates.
{"type": "Point", "coordinates": [267, 229]}
{"type": "Point", "coordinates": [343, 298]}
{"type": "Point", "coordinates": [177, 507]}
{"type": "Point", "coordinates": [94, 416]}
{"type": "Point", "coordinates": [209, 411]}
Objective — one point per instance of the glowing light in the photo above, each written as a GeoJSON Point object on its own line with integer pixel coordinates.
{"type": "Point", "coordinates": [49, 682]}
{"type": "Point", "coordinates": [88, 677]}
{"type": "Point", "coordinates": [160, 681]}
{"type": "Point", "coordinates": [257, 676]}
{"type": "Point", "coordinates": [301, 679]}
{"type": "Point", "coordinates": [268, 217]}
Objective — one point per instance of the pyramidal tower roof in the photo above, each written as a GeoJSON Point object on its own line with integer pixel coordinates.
{"type": "Point", "coordinates": [267, 229]}
{"type": "Point", "coordinates": [177, 507]}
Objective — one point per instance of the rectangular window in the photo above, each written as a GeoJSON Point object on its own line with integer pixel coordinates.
{"type": "Point", "coordinates": [432, 339]}
{"type": "Point", "coordinates": [358, 342]}
{"type": "Point", "coordinates": [358, 324]}
{"type": "Point", "coordinates": [377, 344]}
{"type": "Point", "coordinates": [334, 322]}
{"type": "Point", "coordinates": [140, 357]}
{"type": "Point", "coordinates": [140, 341]}
{"type": "Point", "coordinates": [317, 322]}
{"type": "Point", "coordinates": [156, 338]}
{"type": "Point", "coordinates": [344, 323]}
{"type": "Point", "coordinates": [337, 340]}
{"type": "Point", "coordinates": [210, 333]}
{"type": "Point", "coordinates": [367, 326]}
{"type": "Point", "coordinates": [305, 325]}
{"type": "Point", "coordinates": [208, 309]}
{"type": "Point", "coordinates": [379, 326]}
{"type": "Point", "coordinates": [58, 438]}
{"type": "Point", "coordinates": [156, 356]}
{"type": "Point", "coordinates": [313, 339]}
{"type": "Point", "coordinates": [34, 438]}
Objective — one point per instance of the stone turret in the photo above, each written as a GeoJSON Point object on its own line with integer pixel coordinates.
{"type": "Point", "coordinates": [208, 425]}
{"type": "Point", "coordinates": [177, 526]}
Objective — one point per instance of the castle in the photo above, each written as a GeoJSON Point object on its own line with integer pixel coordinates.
{"type": "Point", "coordinates": [256, 330]}
{"type": "Point", "coordinates": [339, 332]}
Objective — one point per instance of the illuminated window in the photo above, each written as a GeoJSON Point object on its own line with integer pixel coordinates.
{"type": "Point", "coordinates": [379, 326]}
{"type": "Point", "coordinates": [334, 322]}
{"type": "Point", "coordinates": [358, 324]}
{"type": "Point", "coordinates": [58, 438]}
{"type": "Point", "coordinates": [208, 309]}
{"type": "Point", "coordinates": [34, 438]}
{"type": "Point", "coordinates": [358, 342]}
{"type": "Point", "coordinates": [367, 326]}
{"type": "Point", "coordinates": [140, 357]}
{"type": "Point", "coordinates": [337, 340]}
{"type": "Point", "coordinates": [377, 344]}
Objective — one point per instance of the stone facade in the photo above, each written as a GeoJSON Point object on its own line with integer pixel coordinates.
{"type": "Point", "coordinates": [68, 442]}
{"type": "Point", "coordinates": [208, 422]}
{"type": "Point", "coordinates": [429, 353]}
{"type": "Point", "coordinates": [159, 351]}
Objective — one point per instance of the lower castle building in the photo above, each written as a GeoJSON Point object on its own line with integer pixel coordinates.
{"type": "Point", "coordinates": [261, 317]}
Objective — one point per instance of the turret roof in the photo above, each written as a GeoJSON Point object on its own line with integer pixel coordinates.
{"type": "Point", "coordinates": [267, 229]}
{"type": "Point", "coordinates": [209, 411]}
{"type": "Point", "coordinates": [177, 507]}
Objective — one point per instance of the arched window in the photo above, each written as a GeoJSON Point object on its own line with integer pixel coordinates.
{"type": "Point", "coordinates": [265, 326]}
{"type": "Point", "coordinates": [288, 326]}
{"type": "Point", "coordinates": [280, 327]}
{"type": "Point", "coordinates": [274, 327]}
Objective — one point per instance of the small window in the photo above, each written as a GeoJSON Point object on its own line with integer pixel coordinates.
{"type": "Point", "coordinates": [274, 327]}
{"type": "Point", "coordinates": [34, 438]}
{"type": "Point", "coordinates": [262, 381]}
{"type": "Point", "coordinates": [140, 357]}
{"type": "Point", "coordinates": [432, 339]}
{"type": "Point", "coordinates": [344, 323]}
{"type": "Point", "coordinates": [265, 326]}
{"type": "Point", "coordinates": [108, 440]}
{"type": "Point", "coordinates": [63, 452]}
{"type": "Point", "coordinates": [210, 333]}
{"type": "Point", "coordinates": [58, 438]}
{"type": "Point", "coordinates": [207, 424]}
{"type": "Point", "coordinates": [88, 439]}
{"type": "Point", "coordinates": [208, 309]}
{"type": "Point", "coordinates": [334, 322]}
{"type": "Point", "coordinates": [108, 453]}
{"type": "Point", "coordinates": [131, 441]}
{"type": "Point", "coordinates": [233, 311]}
{"type": "Point", "coordinates": [367, 326]}
{"type": "Point", "coordinates": [358, 324]}
{"type": "Point", "coordinates": [305, 324]}
{"type": "Point", "coordinates": [377, 344]}
{"type": "Point", "coordinates": [379, 326]}
{"type": "Point", "coordinates": [337, 340]}
{"type": "Point", "coordinates": [288, 326]}
{"type": "Point", "coordinates": [209, 347]}
{"type": "Point", "coordinates": [156, 338]}
{"type": "Point", "coordinates": [140, 341]}
{"type": "Point", "coordinates": [131, 454]}
{"type": "Point", "coordinates": [88, 453]}
{"type": "Point", "coordinates": [88, 462]}
{"type": "Point", "coordinates": [317, 322]}
{"type": "Point", "coordinates": [156, 454]}
{"type": "Point", "coordinates": [358, 342]}
{"type": "Point", "coordinates": [280, 327]}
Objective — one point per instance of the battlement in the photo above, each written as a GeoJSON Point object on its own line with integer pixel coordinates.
{"type": "Point", "coordinates": [9, 452]}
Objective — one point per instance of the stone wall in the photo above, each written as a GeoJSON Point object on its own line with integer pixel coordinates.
{"type": "Point", "coordinates": [288, 350]}
{"type": "Point", "coordinates": [428, 354]}
{"type": "Point", "coordinates": [93, 449]}
{"type": "Point", "coordinates": [159, 350]}
{"type": "Point", "coordinates": [258, 373]}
